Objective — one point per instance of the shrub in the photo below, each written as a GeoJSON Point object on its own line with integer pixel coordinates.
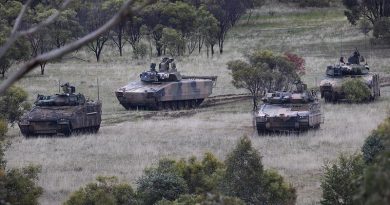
{"type": "Point", "coordinates": [3, 128]}
{"type": "Point", "coordinates": [310, 3]}
{"type": "Point", "coordinates": [339, 183]}
{"type": "Point", "coordinates": [201, 176]}
{"type": "Point", "coordinates": [382, 28]}
{"type": "Point", "coordinates": [378, 141]}
{"type": "Point", "coordinates": [106, 191]}
{"type": "Point", "coordinates": [210, 199]}
{"type": "Point", "coordinates": [13, 104]}
{"type": "Point", "coordinates": [140, 51]}
{"type": "Point", "coordinates": [356, 91]}
{"type": "Point", "coordinates": [298, 61]}
{"type": "Point", "coordinates": [17, 186]}
{"type": "Point", "coordinates": [246, 179]}
{"type": "Point", "coordinates": [375, 188]}
{"type": "Point", "coordinates": [277, 190]}
{"type": "Point", "coordinates": [161, 182]}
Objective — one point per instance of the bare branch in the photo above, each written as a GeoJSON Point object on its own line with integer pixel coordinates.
{"type": "Point", "coordinates": [31, 64]}
{"type": "Point", "coordinates": [15, 35]}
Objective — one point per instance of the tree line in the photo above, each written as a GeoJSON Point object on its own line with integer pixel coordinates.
{"type": "Point", "coordinates": [171, 27]}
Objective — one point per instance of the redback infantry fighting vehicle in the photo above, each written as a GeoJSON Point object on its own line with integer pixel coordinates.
{"type": "Point", "coordinates": [336, 75]}
{"type": "Point", "coordinates": [62, 113]}
{"type": "Point", "coordinates": [285, 111]}
{"type": "Point", "coordinates": [165, 89]}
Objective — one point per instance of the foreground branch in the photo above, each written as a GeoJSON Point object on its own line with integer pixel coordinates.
{"type": "Point", "coordinates": [15, 35]}
{"type": "Point", "coordinates": [124, 11]}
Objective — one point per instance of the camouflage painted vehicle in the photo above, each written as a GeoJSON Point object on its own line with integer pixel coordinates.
{"type": "Point", "coordinates": [289, 111]}
{"type": "Point", "coordinates": [165, 89]}
{"type": "Point", "coordinates": [62, 113]}
{"type": "Point", "coordinates": [336, 75]}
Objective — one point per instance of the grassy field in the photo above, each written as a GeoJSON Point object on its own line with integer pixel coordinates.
{"type": "Point", "coordinates": [130, 141]}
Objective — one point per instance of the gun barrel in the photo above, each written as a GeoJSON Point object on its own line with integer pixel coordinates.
{"type": "Point", "coordinates": [213, 78]}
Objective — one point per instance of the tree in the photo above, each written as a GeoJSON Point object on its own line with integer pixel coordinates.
{"type": "Point", "coordinates": [107, 191]}
{"type": "Point", "coordinates": [210, 199]}
{"type": "Point", "coordinates": [19, 51]}
{"type": "Point", "coordinates": [377, 142]}
{"type": "Point", "coordinates": [151, 17]}
{"type": "Point", "coordinates": [118, 32]}
{"type": "Point", "coordinates": [207, 26]}
{"type": "Point", "coordinates": [382, 29]}
{"type": "Point", "coordinates": [13, 104]}
{"type": "Point", "coordinates": [92, 15]}
{"type": "Point", "coordinates": [128, 7]}
{"type": "Point", "coordinates": [228, 12]}
{"type": "Point", "coordinates": [172, 42]}
{"type": "Point", "coordinates": [246, 178]}
{"type": "Point", "coordinates": [133, 31]}
{"type": "Point", "coordinates": [265, 71]}
{"type": "Point", "coordinates": [368, 9]}
{"type": "Point", "coordinates": [340, 180]}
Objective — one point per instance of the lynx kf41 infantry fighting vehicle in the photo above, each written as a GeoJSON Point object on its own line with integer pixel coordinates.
{"type": "Point", "coordinates": [62, 113]}
{"type": "Point", "coordinates": [336, 75]}
{"type": "Point", "coordinates": [165, 89]}
{"type": "Point", "coordinates": [288, 111]}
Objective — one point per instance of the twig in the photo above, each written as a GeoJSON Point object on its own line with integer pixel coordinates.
{"type": "Point", "coordinates": [31, 64]}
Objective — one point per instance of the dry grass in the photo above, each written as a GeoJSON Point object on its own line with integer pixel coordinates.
{"type": "Point", "coordinates": [128, 142]}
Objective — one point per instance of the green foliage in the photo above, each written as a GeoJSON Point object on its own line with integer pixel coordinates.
{"type": "Point", "coordinates": [339, 183]}
{"type": "Point", "coordinates": [371, 10]}
{"type": "Point", "coordinates": [13, 104]}
{"type": "Point", "coordinates": [382, 28]}
{"type": "Point", "coordinates": [201, 176]}
{"type": "Point", "coordinates": [210, 199]}
{"type": "Point", "coordinates": [244, 172]}
{"type": "Point", "coordinates": [3, 128]}
{"type": "Point", "coordinates": [265, 71]}
{"type": "Point", "coordinates": [161, 182]}
{"type": "Point", "coordinates": [173, 42]}
{"type": "Point", "coordinates": [107, 191]}
{"type": "Point", "coordinates": [17, 186]}
{"type": "Point", "coordinates": [246, 178]}
{"type": "Point", "coordinates": [375, 188]}
{"type": "Point", "coordinates": [378, 141]}
{"type": "Point", "coordinates": [140, 50]}
{"type": "Point", "coordinates": [356, 91]}
{"type": "Point", "coordinates": [277, 190]}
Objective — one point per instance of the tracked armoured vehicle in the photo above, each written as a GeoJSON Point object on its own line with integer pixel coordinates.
{"type": "Point", "coordinates": [165, 89]}
{"type": "Point", "coordinates": [63, 113]}
{"type": "Point", "coordinates": [289, 111]}
{"type": "Point", "coordinates": [336, 75]}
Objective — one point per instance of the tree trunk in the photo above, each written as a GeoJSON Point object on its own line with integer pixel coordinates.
{"type": "Point", "coordinates": [212, 50]}
{"type": "Point", "coordinates": [42, 65]}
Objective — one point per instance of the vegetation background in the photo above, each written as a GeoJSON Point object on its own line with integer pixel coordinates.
{"type": "Point", "coordinates": [131, 141]}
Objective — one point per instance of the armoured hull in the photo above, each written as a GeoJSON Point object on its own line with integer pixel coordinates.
{"type": "Point", "coordinates": [331, 87]}
{"type": "Point", "coordinates": [186, 93]}
{"type": "Point", "coordinates": [51, 120]}
{"type": "Point", "coordinates": [287, 117]}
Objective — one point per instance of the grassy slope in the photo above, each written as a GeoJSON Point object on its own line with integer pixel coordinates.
{"type": "Point", "coordinates": [130, 141]}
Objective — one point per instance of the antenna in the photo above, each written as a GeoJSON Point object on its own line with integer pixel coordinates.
{"type": "Point", "coordinates": [98, 91]}
{"type": "Point", "coordinates": [59, 86]}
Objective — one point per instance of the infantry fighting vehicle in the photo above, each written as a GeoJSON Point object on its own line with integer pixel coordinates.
{"type": "Point", "coordinates": [336, 75]}
{"type": "Point", "coordinates": [165, 89]}
{"type": "Point", "coordinates": [288, 111]}
{"type": "Point", "coordinates": [62, 113]}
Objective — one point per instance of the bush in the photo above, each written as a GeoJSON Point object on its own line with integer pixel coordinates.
{"type": "Point", "coordinates": [163, 182]}
{"type": "Point", "coordinates": [382, 28]}
{"type": "Point", "coordinates": [3, 128]}
{"type": "Point", "coordinates": [356, 91]}
{"type": "Point", "coordinates": [201, 176]}
{"type": "Point", "coordinates": [17, 186]}
{"type": "Point", "coordinates": [310, 3]}
{"type": "Point", "coordinates": [246, 179]}
{"type": "Point", "coordinates": [375, 188]}
{"type": "Point", "coordinates": [140, 51]}
{"type": "Point", "coordinates": [378, 141]}
{"type": "Point", "coordinates": [339, 183]}
{"type": "Point", "coordinates": [106, 191]}
{"type": "Point", "coordinates": [13, 104]}
{"type": "Point", "coordinates": [210, 199]}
